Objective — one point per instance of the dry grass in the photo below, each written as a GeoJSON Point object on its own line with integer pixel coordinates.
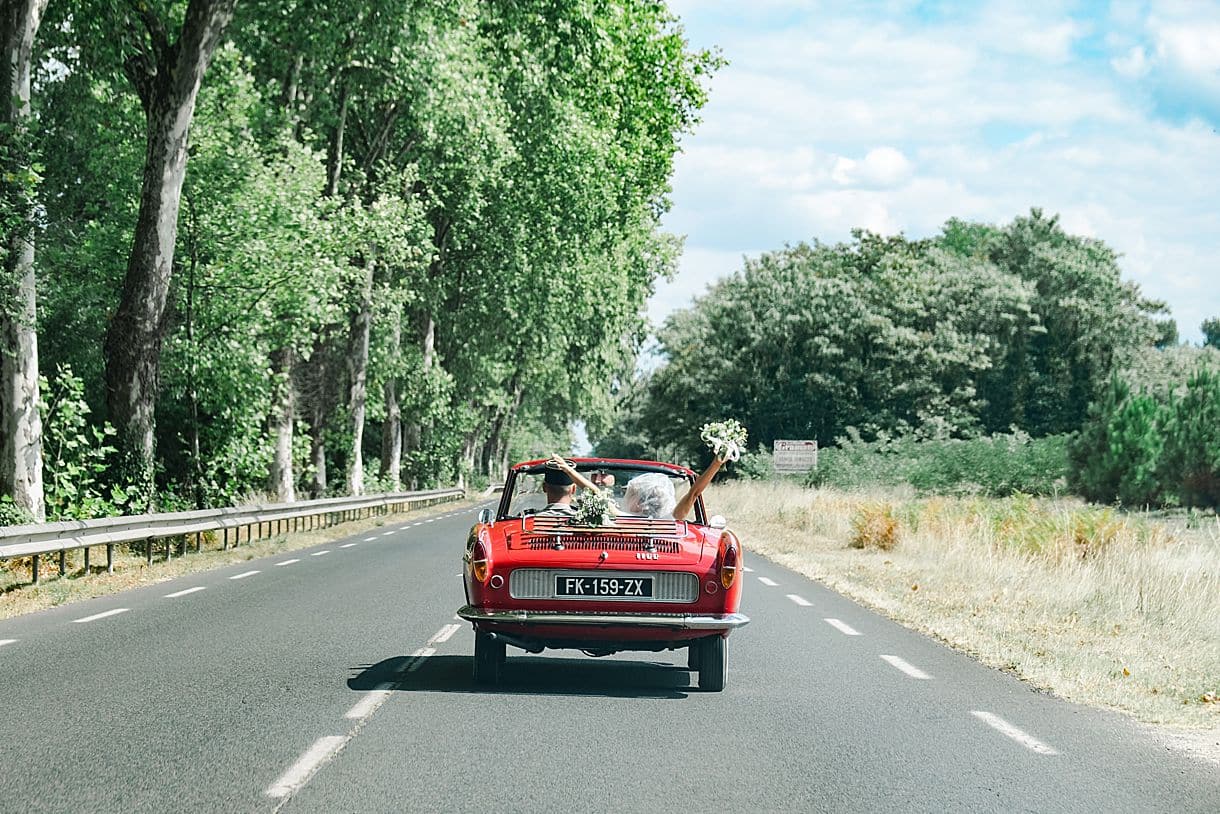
{"type": "Point", "coordinates": [1111, 609]}
{"type": "Point", "coordinates": [18, 596]}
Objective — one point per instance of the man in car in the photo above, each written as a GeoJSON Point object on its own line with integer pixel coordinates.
{"type": "Point", "coordinates": [559, 488]}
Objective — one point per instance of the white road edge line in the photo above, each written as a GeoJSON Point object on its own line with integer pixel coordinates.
{"type": "Point", "coordinates": [320, 553]}
{"type": "Point", "coordinates": [906, 667]}
{"type": "Point", "coordinates": [804, 603]}
{"type": "Point", "coordinates": [348, 545]}
{"type": "Point", "coordinates": [770, 583]}
{"type": "Point", "coordinates": [247, 574]}
{"type": "Point", "coordinates": [1005, 728]}
{"type": "Point", "coordinates": [843, 627]}
{"type": "Point", "coordinates": [3, 642]}
{"type": "Point", "coordinates": [443, 634]}
{"type": "Point", "coordinates": [299, 773]}
{"type": "Point", "coordinates": [287, 562]}
{"type": "Point", "coordinates": [367, 705]}
{"type": "Point", "coordinates": [102, 615]}
{"type": "Point", "coordinates": [177, 594]}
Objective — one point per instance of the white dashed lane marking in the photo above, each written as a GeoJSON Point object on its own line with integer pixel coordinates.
{"type": "Point", "coordinates": [177, 594]}
{"type": "Point", "coordinates": [804, 603]}
{"type": "Point", "coordinates": [320, 553]}
{"type": "Point", "coordinates": [287, 562]}
{"type": "Point", "coordinates": [770, 583]}
{"type": "Point", "coordinates": [348, 545]}
{"type": "Point", "coordinates": [747, 569]}
{"type": "Point", "coordinates": [3, 642]}
{"type": "Point", "coordinates": [102, 615]}
{"type": "Point", "coordinates": [367, 705]}
{"type": "Point", "coordinates": [369, 539]}
{"type": "Point", "coordinates": [416, 660]}
{"type": "Point", "coordinates": [322, 750]}
{"type": "Point", "coordinates": [443, 634]}
{"type": "Point", "coordinates": [387, 533]}
{"type": "Point", "coordinates": [906, 667]}
{"type": "Point", "coordinates": [1004, 727]}
{"type": "Point", "coordinates": [842, 627]}
{"type": "Point", "coordinates": [247, 574]}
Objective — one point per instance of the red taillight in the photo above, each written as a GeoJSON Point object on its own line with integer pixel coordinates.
{"type": "Point", "coordinates": [480, 565]}
{"type": "Point", "coordinates": [730, 553]}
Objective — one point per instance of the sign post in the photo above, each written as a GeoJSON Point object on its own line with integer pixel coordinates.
{"type": "Point", "coordinates": [791, 457]}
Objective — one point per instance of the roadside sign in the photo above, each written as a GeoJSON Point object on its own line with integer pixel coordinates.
{"type": "Point", "coordinates": [795, 456]}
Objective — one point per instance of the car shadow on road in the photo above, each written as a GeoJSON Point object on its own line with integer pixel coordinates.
{"type": "Point", "coordinates": [530, 675]}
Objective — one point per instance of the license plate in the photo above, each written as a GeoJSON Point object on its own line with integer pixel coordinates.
{"type": "Point", "coordinates": [597, 587]}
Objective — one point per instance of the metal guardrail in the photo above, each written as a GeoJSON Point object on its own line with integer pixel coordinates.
{"type": "Point", "coordinates": [39, 539]}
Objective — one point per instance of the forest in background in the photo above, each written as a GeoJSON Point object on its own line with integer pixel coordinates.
{"type": "Point", "coordinates": [292, 246]}
{"type": "Point", "coordinates": [988, 359]}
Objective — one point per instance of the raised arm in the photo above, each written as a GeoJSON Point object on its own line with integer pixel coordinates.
{"type": "Point", "coordinates": [579, 479]}
{"type": "Point", "coordinates": [684, 506]}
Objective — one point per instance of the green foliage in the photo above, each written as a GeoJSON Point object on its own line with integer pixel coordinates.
{"type": "Point", "coordinates": [1192, 442]}
{"type": "Point", "coordinates": [995, 466]}
{"type": "Point", "coordinates": [76, 454]}
{"type": "Point", "coordinates": [976, 331]}
{"type": "Point", "coordinates": [1211, 332]}
{"type": "Point", "coordinates": [1152, 447]}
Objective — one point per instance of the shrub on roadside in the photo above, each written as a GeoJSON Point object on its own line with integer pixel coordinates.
{"type": "Point", "coordinates": [997, 466]}
{"type": "Point", "coordinates": [874, 525]}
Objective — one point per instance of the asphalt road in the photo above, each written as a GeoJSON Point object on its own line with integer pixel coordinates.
{"type": "Point", "coordinates": [340, 681]}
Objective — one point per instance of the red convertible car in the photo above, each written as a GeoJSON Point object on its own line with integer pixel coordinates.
{"type": "Point", "coordinates": [538, 577]}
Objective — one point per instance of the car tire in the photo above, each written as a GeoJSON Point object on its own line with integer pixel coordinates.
{"type": "Point", "coordinates": [692, 656]}
{"type": "Point", "coordinates": [489, 657]}
{"type": "Point", "coordinates": [713, 664]}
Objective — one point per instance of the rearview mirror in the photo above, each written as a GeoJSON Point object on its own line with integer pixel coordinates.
{"type": "Point", "coordinates": [484, 516]}
{"type": "Point", "coordinates": [718, 521]}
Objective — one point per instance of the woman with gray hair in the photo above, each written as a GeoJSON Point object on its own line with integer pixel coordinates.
{"type": "Point", "coordinates": [650, 495]}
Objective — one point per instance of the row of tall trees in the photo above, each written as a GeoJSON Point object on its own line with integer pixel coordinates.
{"type": "Point", "coordinates": [277, 239]}
{"type": "Point", "coordinates": [978, 330]}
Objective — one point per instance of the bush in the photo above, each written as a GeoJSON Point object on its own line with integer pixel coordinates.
{"type": "Point", "coordinates": [998, 466]}
{"type": "Point", "coordinates": [1191, 457]}
{"type": "Point", "coordinates": [874, 525]}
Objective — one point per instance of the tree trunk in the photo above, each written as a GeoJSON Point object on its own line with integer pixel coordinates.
{"type": "Point", "coordinates": [20, 423]}
{"type": "Point", "coordinates": [168, 84]}
{"type": "Point", "coordinates": [412, 432]}
{"type": "Point", "coordinates": [319, 397]}
{"type": "Point", "coordinates": [283, 420]}
{"type": "Point", "coordinates": [357, 367]}
{"type": "Point", "coordinates": [334, 161]}
{"type": "Point", "coordinates": [391, 429]}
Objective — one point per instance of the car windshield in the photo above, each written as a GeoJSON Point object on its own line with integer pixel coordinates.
{"type": "Point", "coordinates": [528, 497]}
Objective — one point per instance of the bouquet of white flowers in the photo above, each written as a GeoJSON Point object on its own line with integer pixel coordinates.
{"type": "Point", "coordinates": [592, 508]}
{"type": "Point", "coordinates": [726, 438]}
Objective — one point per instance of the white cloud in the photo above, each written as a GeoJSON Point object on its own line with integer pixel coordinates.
{"type": "Point", "coordinates": [1134, 64]}
{"type": "Point", "coordinates": [834, 121]}
{"type": "Point", "coordinates": [882, 167]}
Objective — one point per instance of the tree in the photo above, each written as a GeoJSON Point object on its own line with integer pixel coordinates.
{"type": "Point", "coordinates": [1211, 332]}
{"type": "Point", "coordinates": [20, 422]}
{"type": "Point", "coordinates": [166, 75]}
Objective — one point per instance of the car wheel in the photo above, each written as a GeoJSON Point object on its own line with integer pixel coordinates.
{"type": "Point", "coordinates": [489, 657]}
{"type": "Point", "coordinates": [692, 656]}
{"type": "Point", "coordinates": [713, 664]}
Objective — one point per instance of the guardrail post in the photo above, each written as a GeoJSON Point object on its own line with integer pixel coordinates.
{"type": "Point", "coordinates": [34, 569]}
{"type": "Point", "coordinates": [148, 551]}
{"type": "Point", "coordinates": [86, 560]}
{"type": "Point", "coordinates": [63, 562]}
{"type": "Point", "coordinates": [169, 548]}
{"type": "Point", "coordinates": [225, 534]}
{"type": "Point", "coordinates": [109, 558]}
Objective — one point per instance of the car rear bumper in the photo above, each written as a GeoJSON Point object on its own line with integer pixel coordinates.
{"type": "Point", "coordinates": [673, 621]}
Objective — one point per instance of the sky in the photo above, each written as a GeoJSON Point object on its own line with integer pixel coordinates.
{"type": "Point", "coordinates": [896, 116]}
